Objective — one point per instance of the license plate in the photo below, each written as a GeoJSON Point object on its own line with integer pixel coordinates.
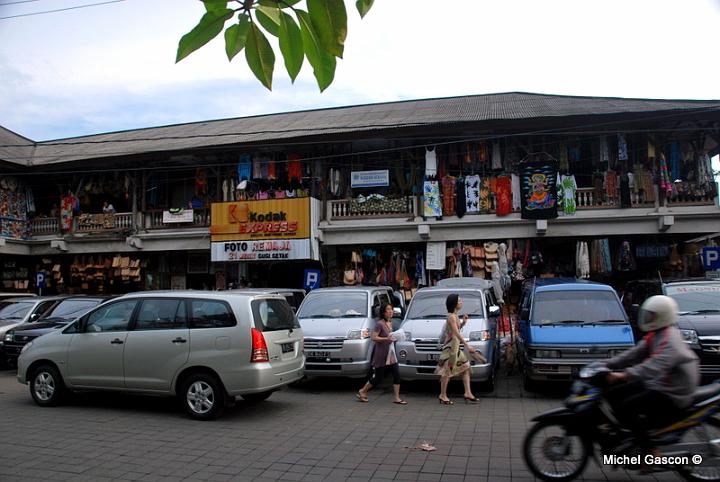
{"type": "Point", "coordinates": [433, 356]}
{"type": "Point", "coordinates": [317, 354]}
{"type": "Point", "coordinates": [287, 347]}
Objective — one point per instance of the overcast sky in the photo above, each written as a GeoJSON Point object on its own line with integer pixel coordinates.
{"type": "Point", "coordinates": [111, 67]}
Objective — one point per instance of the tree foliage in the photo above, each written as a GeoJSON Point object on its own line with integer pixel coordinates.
{"type": "Point", "coordinates": [316, 32]}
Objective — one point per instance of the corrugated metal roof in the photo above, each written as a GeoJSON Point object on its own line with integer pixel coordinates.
{"type": "Point", "coordinates": [14, 147]}
{"type": "Point", "coordinates": [345, 120]}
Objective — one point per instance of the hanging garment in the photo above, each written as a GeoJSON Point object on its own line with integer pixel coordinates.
{"type": "Point", "coordinates": [484, 200]}
{"type": "Point", "coordinates": [516, 192]}
{"type": "Point", "coordinates": [431, 199]}
{"type": "Point", "coordinates": [611, 184]}
{"type": "Point", "coordinates": [294, 167]}
{"type": "Point", "coordinates": [420, 268]}
{"type": "Point", "coordinates": [604, 150]}
{"type": "Point", "coordinates": [225, 186]}
{"type": "Point", "coordinates": [496, 278]}
{"type": "Point", "coordinates": [563, 163]}
{"type": "Point", "coordinates": [625, 201]}
{"type": "Point", "coordinates": [66, 212]}
{"type": "Point", "coordinates": [539, 195]}
{"type": "Point", "coordinates": [585, 261]}
{"type": "Point", "coordinates": [272, 170]}
{"type": "Point", "coordinates": [503, 196]}
{"type": "Point", "coordinates": [674, 161]}
{"type": "Point", "coordinates": [496, 156]}
{"type": "Point", "coordinates": [622, 148]}
{"type": "Point", "coordinates": [472, 194]}
{"type": "Point", "coordinates": [430, 162]}
{"type": "Point", "coordinates": [244, 168]}
{"type": "Point", "coordinates": [260, 167]}
{"type": "Point", "coordinates": [666, 185]}
{"type": "Point", "coordinates": [607, 260]}
{"type": "Point", "coordinates": [460, 206]}
{"type": "Point", "coordinates": [566, 193]}
{"type": "Point", "coordinates": [30, 201]}
{"type": "Point", "coordinates": [503, 265]}
{"type": "Point", "coordinates": [334, 181]}
{"type": "Point", "coordinates": [625, 258]}
{"type": "Point", "coordinates": [448, 195]}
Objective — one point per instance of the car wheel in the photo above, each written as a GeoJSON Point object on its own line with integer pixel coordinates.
{"type": "Point", "coordinates": [203, 396]}
{"type": "Point", "coordinates": [256, 397]}
{"type": "Point", "coordinates": [46, 386]}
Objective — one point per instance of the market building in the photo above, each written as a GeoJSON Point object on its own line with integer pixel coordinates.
{"type": "Point", "coordinates": [400, 193]}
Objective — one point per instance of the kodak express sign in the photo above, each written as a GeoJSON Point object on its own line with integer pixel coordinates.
{"type": "Point", "coordinates": [257, 220]}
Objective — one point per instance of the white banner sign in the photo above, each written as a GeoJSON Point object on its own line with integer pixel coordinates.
{"type": "Point", "coordinates": [184, 216]}
{"type": "Point", "coordinates": [370, 178]}
{"type": "Point", "coordinates": [435, 256]}
{"type": "Point", "coordinates": [265, 250]}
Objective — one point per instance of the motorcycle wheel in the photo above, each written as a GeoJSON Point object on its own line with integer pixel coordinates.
{"type": "Point", "coordinates": [552, 454]}
{"type": "Point", "coordinates": [710, 430]}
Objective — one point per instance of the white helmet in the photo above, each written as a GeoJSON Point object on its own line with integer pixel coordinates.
{"type": "Point", "coordinates": [657, 312]}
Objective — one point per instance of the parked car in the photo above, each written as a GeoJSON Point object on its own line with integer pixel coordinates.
{"type": "Point", "coordinates": [63, 312]}
{"type": "Point", "coordinates": [7, 296]}
{"type": "Point", "coordinates": [699, 314]}
{"type": "Point", "coordinates": [294, 296]}
{"type": "Point", "coordinates": [16, 311]}
{"type": "Point", "coordinates": [338, 323]}
{"type": "Point", "coordinates": [206, 348]}
{"type": "Point", "coordinates": [565, 324]}
{"type": "Point", "coordinates": [419, 353]}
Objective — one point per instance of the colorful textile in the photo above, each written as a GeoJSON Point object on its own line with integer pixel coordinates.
{"type": "Point", "coordinates": [294, 167]}
{"type": "Point", "coordinates": [452, 360]}
{"type": "Point", "coordinates": [538, 183]}
{"type": "Point", "coordinates": [431, 199]}
{"type": "Point", "coordinates": [503, 196]}
{"type": "Point", "coordinates": [244, 168]}
{"type": "Point", "coordinates": [472, 194]}
{"type": "Point", "coordinates": [566, 193]}
{"type": "Point", "coordinates": [448, 195]}
{"type": "Point", "coordinates": [485, 189]}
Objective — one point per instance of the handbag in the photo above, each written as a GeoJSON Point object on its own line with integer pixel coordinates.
{"type": "Point", "coordinates": [349, 277]}
{"type": "Point", "coordinates": [490, 249]}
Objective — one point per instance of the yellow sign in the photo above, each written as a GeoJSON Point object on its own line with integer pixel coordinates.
{"type": "Point", "coordinates": [252, 220]}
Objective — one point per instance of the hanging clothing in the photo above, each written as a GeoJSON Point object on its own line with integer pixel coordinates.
{"type": "Point", "coordinates": [563, 163]}
{"type": "Point", "coordinates": [448, 195]}
{"type": "Point", "coordinates": [516, 192]}
{"type": "Point", "coordinates": [225, 186]}
{"type": "Point", "coordinates": [604, 150]}
{"type": "Point", "coordinates": [432, 206]}
{"type": "Point", "coordinates": [67, 207]}
{"type": "Point", "coordinates": [566, 193]}
{"type": "Point", "coordinates": [607, 260]}
{"type": "Point", "coordinates": [430, 162]}
{"type": "Point", "coordinates": [622, 148]}
{"type": "Point", "coordinates": [626, 262]}
{"type": "Point", "coordinates": [503, 196]}
{"type": "Point", "coordinates": [666, 185]}
{"type": "Point", "coordinates": [625, 201]}
{"type": "Point", "coordinates": [485, 189]}
{"type": "Point", "coordinates": [496, 156]}
{"type": "Point", "coordinates": [674, 161]}
{"type": "Point", "coordinates": [420, 269]}
{"type": "Point", "coordinates": [539, 195]}
{"type": "Point", "coordinates": [244, 168]}
{"type": "Point", "coordinates": [611, 184]}
{"type": "Point", "coordinates": [472, 194]}
{"type": "Point", "coordinates": [260, 167]}
{"type": "Point", "coordinates": [460, 206]}
{"type": "Point", "coordinates": [294, 167]}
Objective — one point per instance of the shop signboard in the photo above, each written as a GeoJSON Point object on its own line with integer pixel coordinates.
{"type": "Point", "coordinates": [181, 216]}
{"type": "Point", "coordinates": [360, 179]}
{"type": "Point", "coordinates": [435, 256]}
{"type": "Point", "coordinates": [711, 258]}
{"type": "Point", "coordinates": [267, 230]}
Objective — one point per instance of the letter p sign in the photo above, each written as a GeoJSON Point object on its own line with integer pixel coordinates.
{"type": "Point", "coordinates": [312, 279]}
{"type": "Point", "coordinates": [711, 258]}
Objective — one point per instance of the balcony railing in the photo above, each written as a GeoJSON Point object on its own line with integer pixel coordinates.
{"type": "Point", "coordinates": [44, 226]}
{"type": "Point", "coordinates": [161, 219]}
{"type": "Point", "coordinates": [588, 198]}
{"type": "Point", "coordinates": [401, 207]}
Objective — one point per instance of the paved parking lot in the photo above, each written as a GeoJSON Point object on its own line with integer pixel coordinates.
{"type": "Point", "coordinates": [316, 431]}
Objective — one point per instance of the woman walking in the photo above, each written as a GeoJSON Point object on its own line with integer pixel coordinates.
{"type": "Point", "coordinates": [453, 361]}
{"type": "Point", "coordinates": [383, 359]}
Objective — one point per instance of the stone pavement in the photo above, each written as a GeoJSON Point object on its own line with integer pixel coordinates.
{"type": "Point", "coordinates": [317, 431]}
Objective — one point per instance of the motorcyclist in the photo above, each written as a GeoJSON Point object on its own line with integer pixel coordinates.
{"type": "Point", "coordinates": [660, 373]}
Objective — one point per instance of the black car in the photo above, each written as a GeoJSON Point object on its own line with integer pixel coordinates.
{"type": "Point", "coordinates": [60, 315]}
{"type": "Point", "coordinates": [699, 309]}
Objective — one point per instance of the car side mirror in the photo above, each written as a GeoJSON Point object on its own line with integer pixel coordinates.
{"type": "Point", "coordinates": [494, 310]}
{"type": "Point", "coordinates": [397, 312]}
{"type": "Point", "coordinates": [34, 316]}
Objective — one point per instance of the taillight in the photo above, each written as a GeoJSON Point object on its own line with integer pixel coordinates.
{"type": "Point", "coordinates": [259, 347]}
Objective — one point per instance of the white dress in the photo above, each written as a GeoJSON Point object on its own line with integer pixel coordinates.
{"type": "Point", "coordinates": [430, 162]}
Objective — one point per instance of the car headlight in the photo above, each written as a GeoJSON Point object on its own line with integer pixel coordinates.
{"type": "Point", "coordinates": [690, 336]}
{"type": "Point", "coordinates": [547, 353]}
{"type": "Point", "coordinates": [358, 334]}
{"type": "Point", "coordinates": [408, 336]}
{"type": "Point", "coordinates": [479, 335]}
{"type": "Point", "coordinates": [25, 348]}
{"type": "Point", "coordinates": [8, 337]}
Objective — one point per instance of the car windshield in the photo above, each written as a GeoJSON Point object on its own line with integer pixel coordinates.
{"type": "Point", "coordinates": [432, 304]}
{"type": "Point", "coordinates": [576, 306]}
{"type": "Point", "coordinates": [696, 297]}
{"type": "Point", "coordinates": [70, 309]}
{"type": "Point", "coordinates": [15, 310]}
{"type": "Point", "coordinates": [337, 304]}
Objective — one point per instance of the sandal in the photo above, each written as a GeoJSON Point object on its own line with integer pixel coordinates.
{"type": "Point", "coordinates": [400, 402]}
{"type": "Point", "coordinates": [445, 402]}
{"type": "Point", "coordinates": [361, 398]}
{"type": "Point", "coordinates": [471, 400]}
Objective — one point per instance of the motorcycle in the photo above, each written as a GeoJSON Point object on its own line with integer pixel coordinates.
{"type": "Point", "coordinates": [559, 445]}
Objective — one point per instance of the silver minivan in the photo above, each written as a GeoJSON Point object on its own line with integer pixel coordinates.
{"type": "Point", "coordinates": [419, 353]}
{"type": "Point", "coordinates": [338, 323]}
{"type": "Point", "coordinates": [206, 348]}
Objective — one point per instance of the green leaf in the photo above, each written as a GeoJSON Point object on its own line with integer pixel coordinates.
{"type": "Point", "coordinates": [210, 25]}
{"type": "Point", "coordinates": [291, 45]}
{"type": "Point", "coordinates": [269, 18]}
{"type": "Point", "coordinates": [260, 56]}
{"type": "Point", "coordinates": [278, 3]}
{"type": "Point", "coordinates": [215, 5]}
{"type": "Point", "coordinates": [364, 6]}
{"type": "Point", "coordinates": [236, 35]}
{"type": "Point", "coordinates": [329, 19]}
{"type": "Point", "coordinates": [323, 63]}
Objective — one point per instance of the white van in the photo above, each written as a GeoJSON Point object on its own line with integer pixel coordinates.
{"type": "Point", "coordinates": [206, 348]}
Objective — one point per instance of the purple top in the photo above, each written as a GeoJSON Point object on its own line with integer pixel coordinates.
{"type": "Point", "coordinates": [380, 352]}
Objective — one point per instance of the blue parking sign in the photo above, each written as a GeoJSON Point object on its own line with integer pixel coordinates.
{"type": "Point", "coordinates": [711, 258]}
{"type": "Point", "coordinates": [312, 279]}
{"type": "Point", "coordinates": [40, 280]}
